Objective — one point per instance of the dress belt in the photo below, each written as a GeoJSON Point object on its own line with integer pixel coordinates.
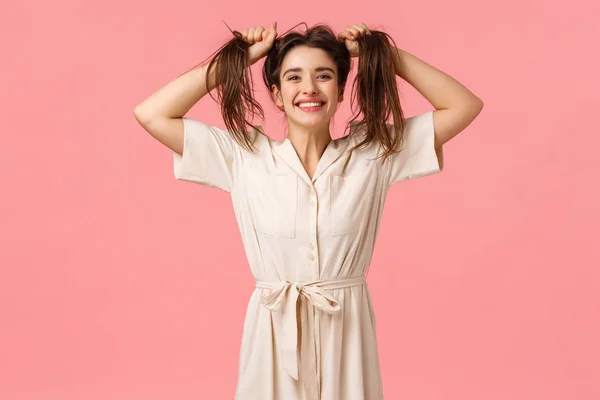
{"type": "Point", "coordinates": [282, 298]}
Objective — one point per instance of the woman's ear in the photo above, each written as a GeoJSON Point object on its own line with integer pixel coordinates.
{"type": "Point", "coordinates": [277, 97]}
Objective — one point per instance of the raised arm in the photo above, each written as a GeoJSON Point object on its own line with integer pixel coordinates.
{"type": "Point", "coordinates": [161, 113]}
{"type": "Point", "coordinates": [456, 107]}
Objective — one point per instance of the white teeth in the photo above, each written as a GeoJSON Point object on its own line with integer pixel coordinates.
{"type": "Point", "coordinates": [303, 105]}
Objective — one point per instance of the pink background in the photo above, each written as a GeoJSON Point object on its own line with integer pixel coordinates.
{"type": "Point", "coordinates": [119, 282]}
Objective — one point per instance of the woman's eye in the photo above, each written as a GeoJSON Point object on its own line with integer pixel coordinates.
{"type": "Point", "coordinates": [295, 76]}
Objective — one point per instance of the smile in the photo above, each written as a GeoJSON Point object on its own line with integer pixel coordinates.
{"type": "Point", "coordinates": [312, 106]}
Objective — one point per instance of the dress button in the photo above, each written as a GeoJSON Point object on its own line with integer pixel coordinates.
{"type": "Point", "coordinates": [310, 246]}
{"type": "Point", "coordinates": [311, 258]}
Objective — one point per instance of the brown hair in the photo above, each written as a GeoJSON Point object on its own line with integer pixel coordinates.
{"type": "Point", "coordinates": [374, 87]}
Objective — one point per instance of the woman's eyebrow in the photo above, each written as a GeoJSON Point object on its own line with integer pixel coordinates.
{"type": "Point", "coordinates": [318, 69]}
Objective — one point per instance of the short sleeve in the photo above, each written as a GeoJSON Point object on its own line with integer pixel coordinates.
{"type": "Point", "coordinates": [209, 155]}
{"type": "Point", "coordinates": [418, 156]}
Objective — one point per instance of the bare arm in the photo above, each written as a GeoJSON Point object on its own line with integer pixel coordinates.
{"type": "Point", "coordinates": [177, 97]}
{"type": "Point", "coordinates": [161, 113]}
{"type": "Point", "coordinates": [456, 107]}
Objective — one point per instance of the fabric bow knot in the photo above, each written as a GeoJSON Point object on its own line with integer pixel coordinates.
{"type": "Point", "coordinates": [283, 299]}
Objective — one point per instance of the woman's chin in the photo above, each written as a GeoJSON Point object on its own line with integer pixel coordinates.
{"type": "Point", "coordinates": [312, 120]}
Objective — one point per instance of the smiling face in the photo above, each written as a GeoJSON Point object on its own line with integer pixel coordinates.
{"type": "Point", "coordinates": [308, 73]}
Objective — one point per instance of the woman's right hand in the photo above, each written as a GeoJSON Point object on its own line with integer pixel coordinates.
{"type": "Point", "coordinates": [261, 40]}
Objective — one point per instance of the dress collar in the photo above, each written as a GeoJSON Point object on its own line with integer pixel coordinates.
{"type": "Point", "coordinates": [285, 150]}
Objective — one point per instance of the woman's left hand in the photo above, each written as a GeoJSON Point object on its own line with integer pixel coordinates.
{"type": "Point", "coordinates": [350, 35]}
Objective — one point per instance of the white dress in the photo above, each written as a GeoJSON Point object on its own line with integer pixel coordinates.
{"type": "Point", "coordinates": [309, 332]}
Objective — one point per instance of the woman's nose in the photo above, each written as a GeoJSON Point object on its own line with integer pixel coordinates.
{"type": "Point", "coordinates": [311, 90]}
{"type": "Point", "coordinates": [310, 87]}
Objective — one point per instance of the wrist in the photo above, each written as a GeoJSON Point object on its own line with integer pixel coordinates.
{"type": "Point", "coordinates": [398, 57]}
{"type": "Point", "coordinates": [251, 62]}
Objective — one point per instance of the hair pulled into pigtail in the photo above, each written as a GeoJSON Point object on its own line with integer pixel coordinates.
{"type": "Point", "coordinates": [235, 89]}
{"type": "Point", "coordinates": [376, 92]}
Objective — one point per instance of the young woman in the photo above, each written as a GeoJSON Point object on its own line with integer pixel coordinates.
{"type": "Point", "coordinates": [309, 207]}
